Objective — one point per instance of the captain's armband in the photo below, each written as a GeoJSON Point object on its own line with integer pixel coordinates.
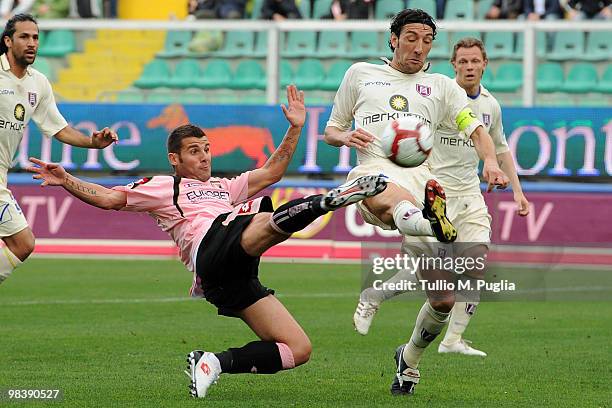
{"type": "Point", "coordinates": [465, 118]}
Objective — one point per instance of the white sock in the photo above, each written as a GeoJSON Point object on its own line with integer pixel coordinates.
{"type": "Point", "coordinates": [409, 220]}
{"type": "Point", "coordinates": [429, 324]}
{"type": "Point", "coordinates": [8, 262]}
{"type": "Point", "coordinates": [460, 317]}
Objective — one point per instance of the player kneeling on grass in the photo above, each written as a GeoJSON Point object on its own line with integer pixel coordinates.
{"type": "Point", "coordinates": [221, 235]}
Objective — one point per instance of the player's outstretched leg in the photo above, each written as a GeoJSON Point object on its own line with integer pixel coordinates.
{"type": "Point", "coordinates": [435, 211]}
{"type": "Point", "coordinates": [298, 214]}
{"type": "Point", "coordinates": [370, 300]}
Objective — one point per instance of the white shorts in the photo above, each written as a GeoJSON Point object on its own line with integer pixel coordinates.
{"type": "Point", "coordinates": [412, 179]}
{"type": "Point", "coordinates": [469, 214]}
{"type": "Point", "coordinates": [12, 219]}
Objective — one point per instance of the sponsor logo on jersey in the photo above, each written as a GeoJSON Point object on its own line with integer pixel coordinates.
{"type": "Point", "coordinates": [189, 185]}
{"type": "Point", "coordinates": [19, 112]}
{"type": "Point", "coordinates": [32, 97]}
{"type": "Point", "coordinates": [486, 119]}
{"type": "Point", "coordinates": [5, 124]}
{"type": "Point", "coordinates": [377, 83]}
{"type": "Point", "coordinates": [456, 141]}
{"type": "Point", "coordinates": [7, 92]}
{"type": "Point", "coordinates": [399, 103]}
{"type": "Point", "coordinates": [389, 116]}
{"type": "Point", "coordinates": [423, 90]}
{"type": "Point", "coordinates": [207, 195]}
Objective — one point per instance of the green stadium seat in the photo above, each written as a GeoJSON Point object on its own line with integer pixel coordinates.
{"type": "Point", "coordinates": [162, 96]}
{"type": "Point", "coordinates": [176, 44]}
{"type": "Point", "coordinates": [500, 44]}
{"type": "Point", "coordinates": [217, 74]}
{"type": "Point", "coordinates": [335, 74]}
{"type": "Point", "coordinates": [237, 44]}
{"type": "Point", "coordinates": [385, 10]}
{"type": "Point", "coordinates": [155, 74]}
{"type": "Point", "coordinates": [483, 8]}
{"type": "Point", "coordinates": [459, 10]}
{"type": "Point", "coordinates": [605, 85]}
{"type": "Point", "coordinates": [261, 44]}
{"type": "Point", "coordinates": [509, 78]}
{"type": "Point", "coordinates": [549, 77]}
{"type": "Point", "coordinates": [256, 10]}
{"type": "Point", "coordinates": [309, 74]}
{"type": "Point", "coordinates": [304, 6]}
{"type": "Point", "coordinates": [185, 74]}
{"type": "Point", "coordinates": [441, 48]}
{"type": "Point", "coordinates": [43, 65]}
{"type": "Point", "coordinates": [130, 96]}
{"type": "Point", "coordinates": [58, 43]}
{"type": "Point", "coordinates": [581, 78]}
{"type": "Point", "coordinates": [42, 37]}
{"type": "Point", "coordinates": [428, 6]}
{"type": "Point", "coordinates": [568, 45]}
{"type": "Point", "coordinates": [487, 78]}
{"type": "Point", "coordinates": [458, 35]}
{"type": "Point", "coordinates": [300, 44]}
{"type": "Point", "coordinates": [520, 45]}
{"type": "Point", "coordinates": [364, 44]}
{"type": "Point", "coordinates": [249, 74]}
{"type": "Point", "coordinates": [443, 68]}
{"type": "Point", "coordinates": [332, 44]}
{"type": "Point", "coordinates": [285, 73]}
{"type": "Point", "coordinates": [321, 8]}
{"type": "Point", "coordinates": [598, 46]}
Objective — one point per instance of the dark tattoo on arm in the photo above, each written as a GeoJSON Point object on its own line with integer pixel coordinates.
{"type": "Point", "coordinates": [80, 187]}
{"type": "Point", "coordinates": [284, 152]}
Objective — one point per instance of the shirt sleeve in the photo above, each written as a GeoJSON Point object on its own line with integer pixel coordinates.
{"type": "Point", "coordinates": [458, 110]}
{"type": "Point", "coordinates": [46, 115]}
{"type": "Point", "coordinates": [146, 194]}
{"type": "Point", "coordinates": [238, 188]}
{"type": "Point", "coordinates": [344, 102]}
{"type": "Point", "coordinates": [497, 132]}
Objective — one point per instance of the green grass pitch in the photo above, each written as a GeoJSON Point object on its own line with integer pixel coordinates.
{"type": "Point", "coordinates": [115, 334]}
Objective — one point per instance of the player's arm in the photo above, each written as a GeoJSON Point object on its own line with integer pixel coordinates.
{"type": "Point", "coordinates": [98, 140]}
{"type": "Point", "coordinates": [274, 169]}
{"type": "Point", "coordinates": [53, 174]}
{"type": "Point", "coordinates": [358, 138]}
{"type": "Point", "coordinates": [506, 162]}
{"type": "Point", "coordinates": [486, 151]}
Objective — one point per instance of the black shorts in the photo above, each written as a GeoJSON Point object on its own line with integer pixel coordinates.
{"type": "Point", "coordinates": [228, 274]}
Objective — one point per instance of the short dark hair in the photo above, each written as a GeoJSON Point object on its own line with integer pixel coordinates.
{"type": "Point", "coordinates": [410, 16]}
{"type": "Point", "coordinates": [9, 28]}
{"type": "Point", "coordinates": [175, 139]}
{"type": "Point", "coordinates": [469, 42]}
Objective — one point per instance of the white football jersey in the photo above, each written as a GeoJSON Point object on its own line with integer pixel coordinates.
{"type": "Point", "coordinates": [373, 95]}
{"type": "Point", "coordinates": [22, 99]}
{"type": "Point", "coordinates": [453, 159]}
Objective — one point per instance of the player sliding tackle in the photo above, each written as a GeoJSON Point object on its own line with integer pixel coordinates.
{"type": "Point", "coordinates": [221, 235]}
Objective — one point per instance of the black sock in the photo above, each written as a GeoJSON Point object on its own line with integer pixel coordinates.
{"type": "Point", "coordinates": [258, 357]}
{"type": "Point", "coordinates": [298, 214]}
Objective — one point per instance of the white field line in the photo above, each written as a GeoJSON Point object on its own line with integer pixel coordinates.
{"type": "Point", "coordinates": [330, 295]}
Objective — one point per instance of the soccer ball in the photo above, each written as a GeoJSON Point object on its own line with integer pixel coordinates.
{"type": "Point", "coordinates": [407, 141]}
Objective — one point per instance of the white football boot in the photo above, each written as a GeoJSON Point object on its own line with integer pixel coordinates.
{"type": "Point", "coordinates": [354, 191]}
{"type": "Point", "coordinates": [461, 347]}
{"type": "Point", "coordinates": [364, 314]}
{"type": "Point", "coordinates": [203, 368]}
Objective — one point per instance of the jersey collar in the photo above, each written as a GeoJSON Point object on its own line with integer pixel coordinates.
{"type": "Point", "coordinates": [6, 65]}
